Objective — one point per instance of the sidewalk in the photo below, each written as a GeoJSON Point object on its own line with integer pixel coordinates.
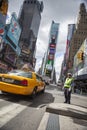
{"type": "Point", "coordinates": [61, 116]}
{"type": "Point", "coordinates": [67, 110]}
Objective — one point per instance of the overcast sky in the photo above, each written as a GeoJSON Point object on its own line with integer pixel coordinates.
{"type": "Point", "coordinates": [63, 12]}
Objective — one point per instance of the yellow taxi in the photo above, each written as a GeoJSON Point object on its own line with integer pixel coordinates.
{"type": "Point", "coordinates": [21, 82]}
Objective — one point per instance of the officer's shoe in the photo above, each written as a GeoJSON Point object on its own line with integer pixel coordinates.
{"type": "Point", "coordinates": [69, 102]}
{"type": "Point", "coordinates": [65, 102]}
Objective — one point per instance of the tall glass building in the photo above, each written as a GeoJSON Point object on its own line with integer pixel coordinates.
{"type": "Point", "coordinates": [50, 58]}
{"type": "Point", "coordinates": [29, 19]}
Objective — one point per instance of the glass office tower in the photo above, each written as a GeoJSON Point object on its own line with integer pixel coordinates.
{"type": "Point", "coordinates": [50, 58]}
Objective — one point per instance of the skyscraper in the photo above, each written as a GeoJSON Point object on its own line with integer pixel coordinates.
{"type": "Point", "coordinates": [29, 19]}
{"type": "Point", "coordinates": [79, 35]}
{"type": "Point", "coordinates": [49, 67]}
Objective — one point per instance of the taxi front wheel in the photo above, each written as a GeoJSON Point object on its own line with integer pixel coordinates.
{"type": "Point", "coordinates": [43, 90]}
{"type": "Point", "coordinates": [34, 92]}
{"type": "Point", "coordinates": [3, 92]}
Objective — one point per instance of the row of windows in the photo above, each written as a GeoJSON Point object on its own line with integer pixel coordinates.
{"type": "Point", "coordinates": [82, 33]}
{"type": "Point", "coordinates": [30, 2]}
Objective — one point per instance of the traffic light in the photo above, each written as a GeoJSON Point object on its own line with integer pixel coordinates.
{"type": "Point", "coordinates": [81, 56]}
{"type": "Point", "coordinates": [78, 55]}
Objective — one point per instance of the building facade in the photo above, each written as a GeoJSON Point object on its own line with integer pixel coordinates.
{"type": "Point", "coordinates": [79, 35]}
{"type": "Point", "coordinates": [29, 19]}
{"type": "Point", "coordinates": [71, 29]}
{"type": "Point", "coordinates": [9, 48]}
{"type": "Point", "coordinates": [3, 11]}
{"type": "Point", "coordinates": [50, 56]}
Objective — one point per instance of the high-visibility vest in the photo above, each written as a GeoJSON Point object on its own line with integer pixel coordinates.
{"type": "Point", "coordinates": [68, 82]}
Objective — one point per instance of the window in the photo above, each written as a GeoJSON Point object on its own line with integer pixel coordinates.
{"type": "Point", "coordinates": [38, 78]}
{"type": "Point", "coordinates": [21, 73]}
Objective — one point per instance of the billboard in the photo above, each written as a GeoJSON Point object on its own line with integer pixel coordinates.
{"type": "Point", "coordinates": [14, 31]}
{"type": "Point", "coordinates": [52, 47]}
{"type": "Point", "coordinates": [2, 35]}
{"type": "Point", "coordinates": [52, 51]}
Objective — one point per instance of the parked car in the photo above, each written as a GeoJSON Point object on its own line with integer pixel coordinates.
{"type": "Point", "coordinates": [21, 82]}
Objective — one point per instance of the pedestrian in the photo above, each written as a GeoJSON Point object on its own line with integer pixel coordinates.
{"type": "Point", "coordinates": [68, 88]}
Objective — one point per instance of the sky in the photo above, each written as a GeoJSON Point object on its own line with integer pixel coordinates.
{"type": "Point", "coordinates": [63, 12]}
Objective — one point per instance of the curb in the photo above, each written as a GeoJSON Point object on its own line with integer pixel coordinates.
{"type": "Point", "coordinates": [67, 110]}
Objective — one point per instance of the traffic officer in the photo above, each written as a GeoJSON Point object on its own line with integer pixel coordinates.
{"type": "Point", "coordinates": [68, 88]}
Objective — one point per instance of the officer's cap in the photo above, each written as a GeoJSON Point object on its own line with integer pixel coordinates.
{"type": "Point", "coordinates": [69, 74]}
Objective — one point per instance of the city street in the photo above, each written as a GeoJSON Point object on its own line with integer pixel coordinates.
{"type": "Point", "coordinates": [20, 112]}
{"type": "Point", "coordinates": [43, 50]}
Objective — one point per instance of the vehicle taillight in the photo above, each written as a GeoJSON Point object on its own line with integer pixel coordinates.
{"type": "Point", "coordinates": [24, 82]}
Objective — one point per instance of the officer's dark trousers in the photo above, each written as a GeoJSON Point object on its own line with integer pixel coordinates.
{"type": "Point", "coordinates": [67, 94]}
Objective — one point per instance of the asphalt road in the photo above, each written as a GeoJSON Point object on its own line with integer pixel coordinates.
{"type": "Point", "coordinates": [21, 112]}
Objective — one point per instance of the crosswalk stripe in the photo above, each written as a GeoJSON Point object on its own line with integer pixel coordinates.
{"type": "Point", "coordinates": [1, 100]}
{"type": "Point", "coordinates": [9, 112]}
{"type": "Point", "coordinates": [43, 123]}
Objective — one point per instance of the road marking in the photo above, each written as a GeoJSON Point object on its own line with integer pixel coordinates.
{"type": "Point", "coordinates": [41, 106]}
{"type": "Point", "coordinates": [1, 100]}
{"type": "Point", "coordinates": [43, 123]}
{"type": "Point", "coordinates": [9, 112]}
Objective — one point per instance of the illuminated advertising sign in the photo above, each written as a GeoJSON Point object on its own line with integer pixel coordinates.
{"type": "Point", "coordinates": [53, 45]}
{"type": "Point", "coordinates": [48, 73]}
{"type": "Point", "coordinates": [50, 57]}
{"type": "Point", "coordinates": [52, 51]}
{"type": "Point", "coordinates": [2, 30]}
{"type": "Point", "coordinates": [14, 30]}
{"type": "Point", "coordinates": [49, 65]}
{"type": "Point", "coordinates": [2, 34]}
{"type": "Point", "coordinates": [54, 32]}
{"type": "Point", "coordinates": [25, 50]}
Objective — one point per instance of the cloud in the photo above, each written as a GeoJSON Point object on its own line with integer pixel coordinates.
{"type": "Point", "coordinates": [64, 16]}
{"type": "Point", "coordinates": [8, 18]}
